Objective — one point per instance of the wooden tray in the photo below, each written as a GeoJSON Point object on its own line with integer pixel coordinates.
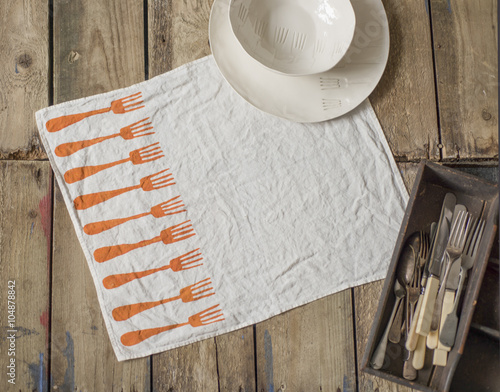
{"type": "Point", "coordinates": [432, 183]}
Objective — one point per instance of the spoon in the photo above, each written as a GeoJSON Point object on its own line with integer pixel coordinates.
{"type": "Point", "coordinates": [404, 273]}
{"type": "Point", "coordinates": [379, 354]}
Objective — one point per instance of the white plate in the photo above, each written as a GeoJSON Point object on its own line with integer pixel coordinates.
{"type": "Point", "coordinates": [294, 37]}
{"type": "Point", "coordinates": [310, 98]}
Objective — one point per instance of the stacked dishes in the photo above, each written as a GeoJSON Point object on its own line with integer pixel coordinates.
{"type": "Point", "coordinates": [303, 60]}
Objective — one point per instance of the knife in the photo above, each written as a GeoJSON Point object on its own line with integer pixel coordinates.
{"type": "Point", "coordinates": [449, 298]}
{"type": "Point", "coordinates": [445, 270]}
{"type": "Point", "coordinates": [431, 288]}
{"type": "Point", "coordinates": [412, 338]}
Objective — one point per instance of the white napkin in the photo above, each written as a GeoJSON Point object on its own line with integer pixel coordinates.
{"type": "Point", "coordinates": [267, 214]}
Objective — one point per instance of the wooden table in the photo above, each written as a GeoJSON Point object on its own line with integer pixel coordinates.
{"type": "Point", "coordinates": [437, 100]}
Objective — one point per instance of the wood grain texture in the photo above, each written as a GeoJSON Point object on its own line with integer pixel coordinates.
{"type": "Point", "coordinates": [25, 230]}
{"type": "Point", "coordinates": [98, 47]}
{"type": "Point", "coordinates": [404, 100]}
{"type": "Point", "coordinates": [23, 76]}
{"type": "Point", "coordinates": [465, 47]}
{"type": "Point", "coordinates": [188, 368]}
{"type": "Point", "coordinates": [178, 33]}
{"type": "Point", "coordinates": [308, 349]}
{"type": "Point", "coordinates": [82, 356]}
{"type": "Point", "coordinates": [236, 361]}
{"type": "Point", "coordinates": [366, 299]}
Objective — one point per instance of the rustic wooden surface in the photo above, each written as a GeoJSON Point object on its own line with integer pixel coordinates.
{"type": "Point", "coordinates": [437, 100]}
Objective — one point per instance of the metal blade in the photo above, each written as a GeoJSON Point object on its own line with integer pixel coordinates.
{"type": "Point", "coordinates": [443, 232]}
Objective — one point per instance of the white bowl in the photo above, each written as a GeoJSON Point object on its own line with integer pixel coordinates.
{"type": "Point", "coordinates": [294, 37]}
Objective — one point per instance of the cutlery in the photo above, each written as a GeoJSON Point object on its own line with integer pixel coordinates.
{"type": "Point", "coordinates": [447, 337]}
{"type": "Point", "coordinates": [424, 256]}
{"type": "Point", "coordinates": [378, 357]}
{"type": "Point", "coordinates": [181, 263]}
{"type": "Point", "coordinates": [412, 295]}
{"type": "Point", "coordinates": [206, 317]}
{"type": "Point", "coordinates": [432, 285]}
{"type": "Point", "coordinates": [452, 255]}
{"type": "Point", "coordinates": [129, 132]}
{"type": "Point", "coordinates": [137, 157]}
{"type": "Point", "coordinates": [419, 353]}
{"type": "Point", "coordinates": [119, 106]}
{"type": "Point", "coordinates": [170, 235]}
{"type": "Point", "coordinates": [170, 207]}
{"type": "Point", "coordinates": [404, 274]}
{"type": "Point", "coordinates": [149, 183]}
{"type": "Point", "coordinates": [194, 292]}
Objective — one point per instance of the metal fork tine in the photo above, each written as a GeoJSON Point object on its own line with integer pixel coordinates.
{"type": "Point", "coordinates": [472, 231]}
{"type": "Point", "coordinates": [477, 238]}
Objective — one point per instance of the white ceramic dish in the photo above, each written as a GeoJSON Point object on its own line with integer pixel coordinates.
{"type": "Point", "coordinates": [311, 98]}
{"type": "Point", "coordinates": [294, 37]}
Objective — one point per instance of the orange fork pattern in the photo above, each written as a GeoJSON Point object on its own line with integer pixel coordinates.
{"type": "Point", "coordinates": [179, 232]}
{"type": "Point", "coordinates": [170, 207]}
{"type": "Point", "coordinates": [137, 157]}
{"type": "Point", "coordinates": [129, 132]}
{"type": "Point", "coordinates": [170, 235]}
{"type": "Point", "coordinates": [182, 263]}
{"type": "Point", "coordinates": [206, 317]}
{"type": "Point", "coordinates": [119, 106]}
{"type": "Point", "coordinates": [194, 292]}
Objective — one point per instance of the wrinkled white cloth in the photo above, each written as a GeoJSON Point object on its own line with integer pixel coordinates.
{"type": "Point", "coordinates": [281, 212]}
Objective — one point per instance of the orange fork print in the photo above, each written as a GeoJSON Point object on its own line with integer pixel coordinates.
{"type": "Point", "coordinates": [194, 292]}
{"type": "Point", "coordinates": [173, 234]}
{"type": "Point", "coordinates": [118, 106]}
{"type": "Point", "coordinates": [206, 317]}
{"type": "Point", "coordinates": [170, 207]}
{"type": "Point", "coordinates": [137, 157]}
{"type": "Point", "coordinates": [149, 183]}
{"type": "Point", "coordinates": [129, 132]}
{"type": "Point", "coordinates": [182, 263]}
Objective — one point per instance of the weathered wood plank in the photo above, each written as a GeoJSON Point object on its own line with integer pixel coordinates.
{"type": "Point", "coordinates": [465, 47]}
{"type": "Point", "coordinates": [366, 299]}
{"type": "Point", "coordinates": [23, 76]}
{"type": "Point", "coordinates": [310, 348]}
{"type": "Point", "coordinates": [25, 230]}
{"type": "Point", "coordinates": [236, 361]}
{"type": "Point", "coordinates": [404, 100]}
{"type": "Point", "coordinates": [188, 368]}
{"type": "Point", "coordinates": [98, 46]}
{"type": "Point", "coordinates": [178, 33]}
{"type": "Point", "coordinates": [82, 356]}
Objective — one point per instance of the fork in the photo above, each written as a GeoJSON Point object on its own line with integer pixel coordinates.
{"type": "Point", "coordinates": [452, 254]}
{"type": "Point", "coordinates": [194, 292]}
{"type": "Point", "coordinates": [169, 207]}
{"type": "Point", "coordinates": [182, 263]}
{"type": "Point", "coordinates": [170, 235]}
{"type": "Point", "coordinates": [449, 330]}
{"type": "Point", "coordinates": [129, 132]}
{"type": "Point", "coordinates": [412, 337]}
{"type": "Point", "coordinates": [148, 183]}
{"type": "Point", "coordinates": [206, 317]}
{"type": "Point", "coordinates": [137, 157]}
{"type": "Point", "coordinates": [119, 106]}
